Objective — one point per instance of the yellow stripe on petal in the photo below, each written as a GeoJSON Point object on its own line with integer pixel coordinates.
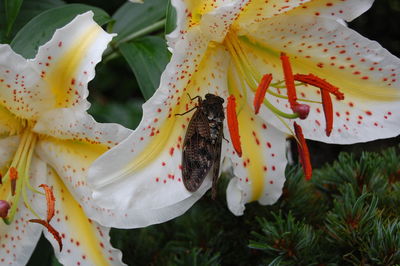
{"type": "Point", "coordinates": [198, 8]}
{"type": "Point", "coordinates": [10, 124]}
{"type": "Point", "coordinates": [253, 158]}
{"type": "Point", "coordinates": [5, 190]}
{"type": "Point", "coordinates": [168, 134]}
{"type": "Point", "coordinates": [61, 80]}
{"type": "Point", "coordinates": [79, 230]}
{"type": "Point", "coordinates": [353, 78]}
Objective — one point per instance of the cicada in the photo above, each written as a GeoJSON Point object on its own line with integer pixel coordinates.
{"type": "Point", "coordinates": [202, 143]}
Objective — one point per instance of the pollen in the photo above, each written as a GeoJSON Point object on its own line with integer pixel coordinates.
{"type": "Point", "coordinates": [304, 153]}
{"type": "Point", "coordinates": [13, 178]}
{"type": "Point", "coordinates": [328, 111]}
{"type": "Point", "coordinates": [289, 80]}
{"type": "Point", "coordinates": [319, 83]}
{"type": "Point", "coordinates": [50, 199]}
{"type": "Point", "coordinates": [233, 125]}
{"type": "Point", "coordinates": [260, 92]}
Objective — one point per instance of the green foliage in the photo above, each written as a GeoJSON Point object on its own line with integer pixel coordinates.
{"type": "Point", "coordinates": [333, 220]}
{"type": "Point", "coordinates": [131, 19]}
{"type": "Point", "coordinates": [12, 8]}
{"type": "Point", "coordinates": [147, 57]}
{"type": "Point", "coordinates": [286, 240]}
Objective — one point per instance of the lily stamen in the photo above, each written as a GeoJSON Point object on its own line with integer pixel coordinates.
{"type": "Point", "coordinates": [51, 229]}
{"type": "Point", "coordinates": [328, 111]}
{"type": "Point", "coordinates": [289, 80]}
{"type": "Point", "coordinates": [260, 92]}
{"type": "Point", "coordinates": [233, 125]}
{"type": "Point", "coordinates": [50, 199]}
{"type": "Point", "coordinates": [319, 83]}
{"type": "Point", "coordinates": [304, 153]}
{"type": "Point", "coordinates": [326, 88]}
{"type": "Point", "coordinates": [13, 178]}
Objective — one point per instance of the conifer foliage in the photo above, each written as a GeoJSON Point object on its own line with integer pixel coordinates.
{"type": "Point", "coordinates": [346, 215]}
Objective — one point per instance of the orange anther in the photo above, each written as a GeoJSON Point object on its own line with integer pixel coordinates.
{"type": "Point", "coordinates": [13, 178]}
{"type": "Point", "coordinates": [233, 124]}
{"type": "Point", "coordinates": [13, 173]}
{"type": "Point", "coordinates": [50, 199]}
{"type": "Point", "coordinates": [289, 80]}
{"type": "Point", "coordinates": [328, 111]}
{"type": "Point", "coordinates": [304, 154]}
{"type": "Point", "coordinates": [319, 83]}
{"type": "Point", "coordinates": [260, 92]}
{"type": "Point", "coordinates": [51, 229]}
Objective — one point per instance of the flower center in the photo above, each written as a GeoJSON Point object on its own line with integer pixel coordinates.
{"type": "Point", "coordinates": [17, 175]}
{"type": "Point", "coordinates": [243, 72]}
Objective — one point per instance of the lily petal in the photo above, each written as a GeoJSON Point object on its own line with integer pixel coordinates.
{"type": "Point", "coordinates": [366, 74]}
{"type": "Point", "coordinates": [72, 124]}
{"type": "Point", "coordinates": [18, 240]}
{"type": "Point", "coordinates": [8, 146]}
{"type": "Point", "coordinates": [147, 178]}
{"type": "Point", "coordinates": [10, 125]}
{"type": "Point", "coordinates": [58, 75]}
{"type": "Point", "coordinates": [67, 61]}
{"type": "Point", "coordinates": [336, 9]}
{"type": "Point", "coordinates": [213, 17]}
{"type": "Point", "coordinates": [84, 241]}
{"type": "Point", "coordinates": [258, 11]}
{"type": "Point", "coordinates": [70, 142]}
{"type": "Point", "coordinates": [19, 84]}
{"type": "Point", "coordinates": [260, 171]}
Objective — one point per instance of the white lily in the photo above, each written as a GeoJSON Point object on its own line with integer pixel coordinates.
{"type": "Point", "coordinates": [237, 48]}
{"type": "Point", "coordinates": [47, 137]}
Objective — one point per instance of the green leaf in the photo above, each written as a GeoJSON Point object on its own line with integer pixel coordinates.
{"type": "Point", "coordinates": [127, 114]}
{"type": "Point", "coordinates": [11, 9]}
{"type": "Point", "coordinates": [132, 18]}
{"type": "Point", "coordinates": [40, 29]}
{"type": "Point", "coordinates": [32, 8]}
{"type": "Point", "coordinates": [29, 9]}
{"type": "Point", "coordinates": [170, 24]}
{"type": "Point", "coordinates": [147, 58]}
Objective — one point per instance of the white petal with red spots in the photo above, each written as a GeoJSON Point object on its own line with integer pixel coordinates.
{"type": "Point", "coordinates": [260, 173]}
{"type": "Point", "coordinates": [365, 72]}
{"type": "Point", "coordinates": [84, 241]}
{"type": "Point", "coordinates": [72, 124]}
{"type": "Point", "coordinates": [67, 61]}
{"type": "Point", "coordinates": [334, 9]}
{"type": "Point", "coordinates": [214, 17]}
{"type": "Point", "coordinates": [22, 91]}
{"type": "Point", "coordinates": [18, 240]}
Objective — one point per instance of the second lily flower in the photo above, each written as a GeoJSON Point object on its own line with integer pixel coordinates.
{"type": "Point", "coordinates": [299, 54]}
